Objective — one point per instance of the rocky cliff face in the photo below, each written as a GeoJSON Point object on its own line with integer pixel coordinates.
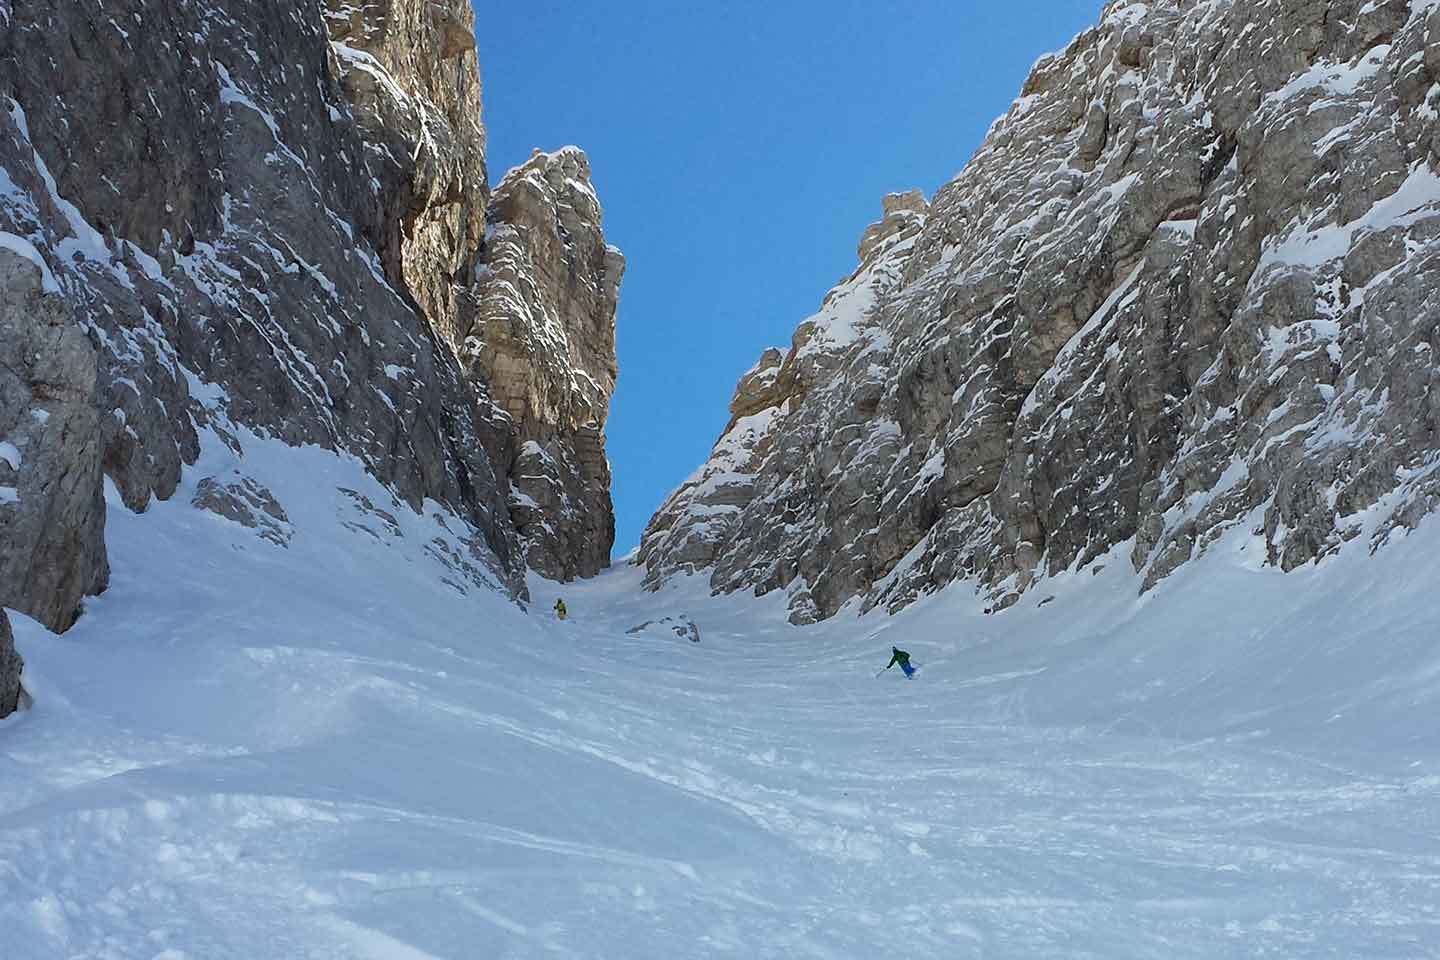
{"type": "Point", "coordinates": [543, 337]}
{"type": "Point", "coordinates": [268, 215]}
{"type": "Point", "coordinates": [1188, 283]}
{"type": "Point", "coordinates": [409, 72]}
{"type": "Point", "coordinates": [10, 667]}
{"type": "Point", "coordinates": [53, 549]}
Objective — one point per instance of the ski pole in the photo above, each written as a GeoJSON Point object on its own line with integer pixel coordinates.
{"type": "Point", "coordinates": [882, 670]}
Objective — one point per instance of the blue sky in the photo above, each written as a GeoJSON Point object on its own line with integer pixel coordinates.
{"type": "Point", "coordinates": [739, 150]}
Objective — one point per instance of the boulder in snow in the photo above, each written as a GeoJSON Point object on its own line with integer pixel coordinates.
{"type": "Point", "coordinates": [666, 627]}
{"type": "Point", "coordinates": [247, 503]}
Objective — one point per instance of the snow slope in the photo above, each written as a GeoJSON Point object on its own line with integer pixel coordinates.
{"type": "Point", "coordinates": [324, 751]}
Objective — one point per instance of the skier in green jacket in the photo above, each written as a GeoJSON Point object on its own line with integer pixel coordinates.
{"type": "Point", "coordinates": [901, 657]}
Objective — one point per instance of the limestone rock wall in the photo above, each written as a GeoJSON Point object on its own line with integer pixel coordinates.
{"type": "Point", "coordinates": [51, 510]}
{"type": "Point", "coordinates": [223, 213]}
{"type": "Point", "coordinates": [409, 71]}
{"type": "Point", "coordinates": [11, 666]}
{"type": "Point", "coordinates": [1187, 283]}
{"type": "Point", "coordinates": [543, 337]}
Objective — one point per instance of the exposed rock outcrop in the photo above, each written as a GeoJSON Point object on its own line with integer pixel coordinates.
{"type": "Point", "coordinates": [1188, 282]}
{"type": "Point", "coordinates": [666, 628]}
{"type": "Point", "coordinates": [243, 501]}
{"type": "Point", "coordinates": [52, 515]}
{"type": "Point", "coordinates": [543, 337]}
{"type": "Point", "coordinates": [268, 214]}
{"type": "Point", "coordinates": [11, 666]}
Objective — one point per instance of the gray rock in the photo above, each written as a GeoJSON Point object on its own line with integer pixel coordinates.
{"type": "Point", "coordinates": [679, 626]}
{"type": "Point", "coordinates": [11, 665]}
{"type": "Point", "coordinates": [52, 512]}
{"type": "Point", "coordinates": [1187, 283]}
{"type": "Point", "coordinates": [413, 83]}
{"type": "Point", "coordinates": [760, 387]}
{"type": "Point", "coordinates": [368, 518]}
{"type": "Point", "coordinates": [275, 228]}
{"type": "Point", "coordinates": [543, 338]}
{"type": "Point", "coordinates": [246, 502]}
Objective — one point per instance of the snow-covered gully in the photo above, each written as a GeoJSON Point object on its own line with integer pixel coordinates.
{"type": "Point", "coordinates": [324, 751]}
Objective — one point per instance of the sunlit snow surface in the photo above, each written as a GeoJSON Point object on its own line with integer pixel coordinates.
{"type": "Point", "coordinates": [256, 752]}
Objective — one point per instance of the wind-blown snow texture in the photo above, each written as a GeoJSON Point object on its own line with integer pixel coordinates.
{"type": "Point", "coordinates": [326, 751]}
{"type": "Point", "coordinates": [1192, 272]}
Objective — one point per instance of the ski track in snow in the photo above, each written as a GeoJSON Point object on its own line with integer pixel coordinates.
{"type": "Point", "coordinates": [250, 751]}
